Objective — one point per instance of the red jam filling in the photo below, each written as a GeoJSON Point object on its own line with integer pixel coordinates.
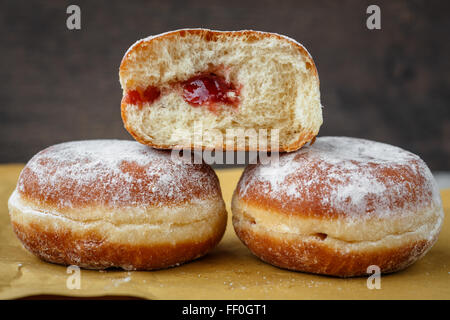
{"type": "Point", "coordinates": [139, 96]}
{"type": "Point", "coordinates": [210, 90]}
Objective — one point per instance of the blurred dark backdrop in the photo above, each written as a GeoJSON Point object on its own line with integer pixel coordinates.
{"type": "Point", "coordinates": [390, 85]}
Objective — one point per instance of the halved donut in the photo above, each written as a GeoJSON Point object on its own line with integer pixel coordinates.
{"type": "Point", "coordinates": [183, 82]}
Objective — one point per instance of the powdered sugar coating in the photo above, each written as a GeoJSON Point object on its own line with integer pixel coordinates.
{"type": "Point", "coordinates": [343, 176]}
{"type": "Point", "coordinates": [113, 173]}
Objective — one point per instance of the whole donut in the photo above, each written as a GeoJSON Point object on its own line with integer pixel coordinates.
{"type": "Point", "coordinates": [339, 206]}
{"type": "Point", "coordinates": [112, 203]}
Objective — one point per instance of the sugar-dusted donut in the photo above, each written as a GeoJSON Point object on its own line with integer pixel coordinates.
{"type": "Point", "coordinates": [338, 206]}
{"type": "Point", "coordinates": [113, 203]}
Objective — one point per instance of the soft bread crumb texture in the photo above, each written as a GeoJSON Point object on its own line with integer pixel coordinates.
{"type": "Point", "coordinates": [277, 76]}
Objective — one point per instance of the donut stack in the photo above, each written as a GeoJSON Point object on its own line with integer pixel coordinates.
{"type": "Point", "coordinates": [333, 205]}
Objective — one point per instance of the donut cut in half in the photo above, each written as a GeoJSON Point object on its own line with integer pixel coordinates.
{"type": "Point", "coordinates": [183, 82]}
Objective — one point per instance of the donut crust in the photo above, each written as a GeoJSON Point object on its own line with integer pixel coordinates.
{"type": "Point", "coordinates": [317, 252]}
{"type": "Point", "coordinates": [110, 203]}
{"type": "Point", "coordinates": [339, 206]}
{"type": "Point", "coordinates": [90, 251]}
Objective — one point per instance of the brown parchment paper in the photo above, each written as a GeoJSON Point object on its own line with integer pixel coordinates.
{"type": "Point", "coordinates": [228, 272]}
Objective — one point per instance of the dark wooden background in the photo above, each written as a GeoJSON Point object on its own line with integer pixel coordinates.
{"type": "Point", "coordinates": [390, 85]}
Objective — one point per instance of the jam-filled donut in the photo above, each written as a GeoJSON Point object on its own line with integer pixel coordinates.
{"type": "Point", "coordinates": [337, 207]}
{"type": "Point", "coordinates": [178, 83]}
{"type": "Point", "coordinates": [116, 203]}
